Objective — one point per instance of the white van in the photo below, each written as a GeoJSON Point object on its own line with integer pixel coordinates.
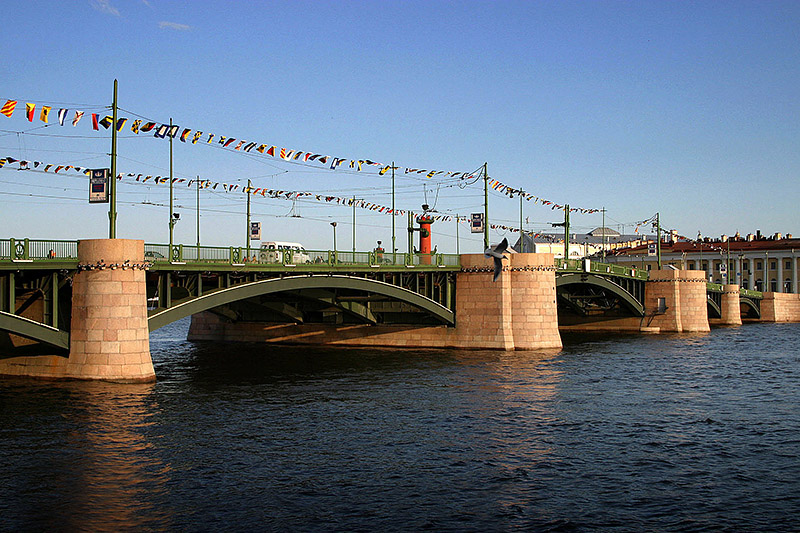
{"type": "Point", "coordinates": [273, 252]}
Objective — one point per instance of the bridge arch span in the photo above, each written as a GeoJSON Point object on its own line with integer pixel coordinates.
{"type": "Point", "coordinates": [627, 299]}
{"type": "Point", "coordinates": [31, 329]}
{"type": "Point", "coordinates": [749, 308]}
{"type": "Point", "coordinates": [163, 316]}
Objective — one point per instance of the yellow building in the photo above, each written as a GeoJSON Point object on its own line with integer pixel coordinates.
{"type": "Point", "coordinates": [752, 262]}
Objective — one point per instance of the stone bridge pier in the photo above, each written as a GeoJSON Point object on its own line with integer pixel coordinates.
{"type": "Point", "coordinates": [676, 301]}
{"type": "Point", "coordinates": [516, 312]}
{"type": "Point", "coordinates": [109, 337]}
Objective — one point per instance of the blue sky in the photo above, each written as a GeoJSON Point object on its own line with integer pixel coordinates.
{"type": "Point", "coordinates": [687, 109]}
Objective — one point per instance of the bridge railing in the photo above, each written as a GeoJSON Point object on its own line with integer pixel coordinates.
{"type": "Point", "coordinates": [36, 250]}
{"type": "Point", "coordinates": [748, 293]}
{"type": "Point", "coordinates": [714, 287]}
{"type": "Point", "coordinates": [160, 253]}
{"type": "Point", "coordinates": [594, 267]}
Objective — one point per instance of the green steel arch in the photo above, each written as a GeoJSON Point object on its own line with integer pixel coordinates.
{"type": "Point", "coordinates": [603, 282]}
{"type": "Point", "coordinates": [754, 308]}
{"type": "Point", "coordinates": [30, 329]}
{"type": "Point", "coordinates": [713, 306]}
{"type": "Point", "coordinates": [162, 317]}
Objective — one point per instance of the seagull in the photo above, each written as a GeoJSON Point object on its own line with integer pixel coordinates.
{"type": "Point", "coordinates": [497, 254]}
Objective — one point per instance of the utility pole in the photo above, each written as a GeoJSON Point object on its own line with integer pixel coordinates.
{"type": "Point", "coordinates": [354, 229]}
{"type": "Point", "coordinates": [604, 233]}
{"type": "Point", "coordinates": [658, 239]}
{"type": "Point", "coordinates": [485, 206]}
{"type": "Point", "coordinates": [197, 182]}
{"type": "Point", "coordinates": [410, 232]}
{"type": "Point", "coordinates": [521, 234]}
{"type": "Point", "coordinates": [249, 184]}
{"type": "Point", "coordinates": [171, 213]}
{"type": "Point", "coordinates": [112, 207]}
{"type": "Point", "coordinates": [458, 252]}
{"type": "Point", "coordinates": [566, 230]}
{"type": "Point", "coordinates": [394, 247]}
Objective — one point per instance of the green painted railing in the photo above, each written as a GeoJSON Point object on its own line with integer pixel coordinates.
{"type": "Point", "coordinates": [180, 253]}
{"type": "Point", "coordinates": [44, 250]}
{"type": "Point", "coordinates": [593, 267]}
{"type": "Point", "coordinates": [748, 293]}
{"type": "Point", "coordinates": [37, 250]}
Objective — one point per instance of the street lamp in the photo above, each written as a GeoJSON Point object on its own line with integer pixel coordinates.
{"type": "Point", "coordinates": [334, 241]}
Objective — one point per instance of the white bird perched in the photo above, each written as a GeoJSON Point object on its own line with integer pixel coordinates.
{"type": "Point", "coordinates": [497, 254]}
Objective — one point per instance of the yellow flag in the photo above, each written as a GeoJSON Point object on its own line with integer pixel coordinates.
{"type": "Point", "coordinates": [45, 112]}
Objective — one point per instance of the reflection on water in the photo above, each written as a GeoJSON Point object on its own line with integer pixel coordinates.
{"type": "Point", "coordinates": [86, 462]}
{"type": "Point", "coordinates": [628, 433]}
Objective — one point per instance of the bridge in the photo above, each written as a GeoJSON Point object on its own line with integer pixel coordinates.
{"type": "Point", "coordinates": [331, 296]}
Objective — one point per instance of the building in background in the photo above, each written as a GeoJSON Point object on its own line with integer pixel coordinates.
{"type": "Point", "coordinates": [752, 262]}
{"type": "Point", "coordinates": [580, 244]}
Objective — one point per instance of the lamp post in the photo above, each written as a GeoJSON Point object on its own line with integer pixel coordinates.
{"type": "Point", "coordinates": [112, 205]}
{"type": "Point", "coordinates": [197, 184]}
{"type": "Point", "coordinates": [172, 216]}
{"type": "Point", "coordinates": [333, 224]}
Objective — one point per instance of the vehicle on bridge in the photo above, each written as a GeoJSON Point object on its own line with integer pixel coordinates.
{"type": "Point", "coordinates": [283, 252]}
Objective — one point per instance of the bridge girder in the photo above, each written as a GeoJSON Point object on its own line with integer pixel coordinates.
{"type": "Point", "coordinates": [221, 297]}
{"type": "Point", "coordinates": [627, 299]}
{"type": "Point", "coordinates": [31, 329]}
{"type": "Point", "coordinates": [713, 306]}
{"type": "Point", "coordinates": [753, 307]}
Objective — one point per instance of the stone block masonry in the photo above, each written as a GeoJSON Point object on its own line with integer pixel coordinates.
{"type": "Point", "coordinates": [109, 337]}
{"type": "Point", "coordinates": [516, 312]}
{"type": "Point", "coordinates": [685, 306]}
{"type": "Point", "coordinates": [780, 307]}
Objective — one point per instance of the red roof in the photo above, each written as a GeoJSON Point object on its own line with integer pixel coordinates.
{"type": "Point", "coordinates": [763, 245]}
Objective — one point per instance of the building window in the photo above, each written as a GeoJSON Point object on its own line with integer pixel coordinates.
{"type": "Point", "coordinates": [705, 266]}
{"type": "Point", "coordinates": [773, 265]}
{"type": "Point", "coordinates": [746, 265]}
{"type": "Point", "coordinates": [788, 264]}
{"type": "Point", "coordinates": [690, 265]}
{"type": "Point", "coordinates": [744, 284]}
{"type": "Point", "coordinates": [773, 285]}
{"type": "Point", "coordinates": [758, 265]}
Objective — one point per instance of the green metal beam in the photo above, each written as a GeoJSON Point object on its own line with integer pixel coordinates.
{"type": "Point", "coordinates": [627, 298]}
{"type": "Point", "coordinates": [161, 317]}
{"type": "Point", "coordinates": [714, 306]}
{"type": "Point", "coordinates": [30, 329]}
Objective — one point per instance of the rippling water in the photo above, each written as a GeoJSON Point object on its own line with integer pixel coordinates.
{"type": "Point", "coordinates": [612, 433]}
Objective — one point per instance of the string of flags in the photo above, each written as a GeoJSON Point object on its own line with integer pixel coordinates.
{"type": "Point", "coordinates": [189, 135]}
{"type": "Point", "coordinates": [213, 185]}
{"type": "Point", "coordinates": [512, 192]}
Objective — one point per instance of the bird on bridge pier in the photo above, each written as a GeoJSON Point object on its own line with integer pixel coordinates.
{"type": "Point", "coordinates": [497, 254]}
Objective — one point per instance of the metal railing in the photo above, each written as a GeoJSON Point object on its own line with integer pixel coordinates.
{"type": "Point", "coordinates": [160, 253]}
{"type": "Point", "coordinates": [749, 293]}
{"type": "Point", "coordinates": [37, 250]}
{"type": "Point", "coordinates": [594, 267]}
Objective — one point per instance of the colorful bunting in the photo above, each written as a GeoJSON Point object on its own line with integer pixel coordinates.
{"type": "Point", "coordinates": [8, 108]}
{"type": "Point", "coordinates": [30, 109]}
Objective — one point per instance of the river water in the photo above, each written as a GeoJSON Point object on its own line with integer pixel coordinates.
{"type": "Point", "coordinates": [612, 433]}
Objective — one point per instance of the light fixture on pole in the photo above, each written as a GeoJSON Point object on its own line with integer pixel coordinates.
{"type": "Point", "coordinates": [333, 224]}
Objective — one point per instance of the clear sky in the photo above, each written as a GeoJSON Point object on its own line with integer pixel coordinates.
{"type": "Point", "coordinates": [689, 109]}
